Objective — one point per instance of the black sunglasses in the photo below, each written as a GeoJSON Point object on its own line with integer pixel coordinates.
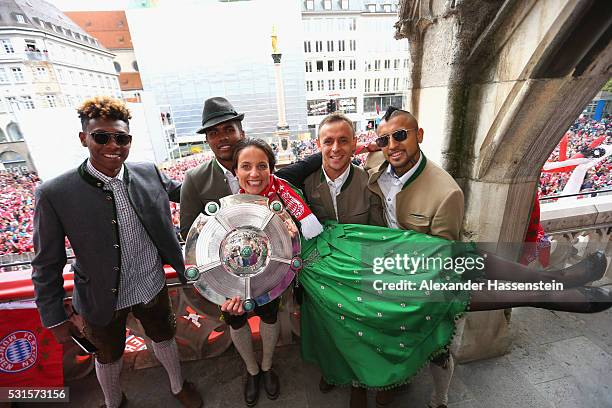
{"type": "Point", "coordinates": [102, 138]}
{"type": "Point", "coordinates": [399, 136]}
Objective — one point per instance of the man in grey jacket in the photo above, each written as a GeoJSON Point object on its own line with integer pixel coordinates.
{"type": "Point", "coordinates": [117, 219]}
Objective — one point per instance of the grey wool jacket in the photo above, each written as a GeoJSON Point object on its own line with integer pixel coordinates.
{"type": "Point", "coordinates": [74, 205]}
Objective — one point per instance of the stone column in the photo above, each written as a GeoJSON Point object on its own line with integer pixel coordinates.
{"type": "Point", "coordinates": [495, 85]}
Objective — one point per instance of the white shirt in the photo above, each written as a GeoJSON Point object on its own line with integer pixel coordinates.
{"type": "Point", "coordinates": [231, 179]}
{"type": "Point", "coordinates": [390, 184]}
{"type": "Point", "coordinates": [335, 186]}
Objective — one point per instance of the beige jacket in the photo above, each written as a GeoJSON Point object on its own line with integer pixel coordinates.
{"type": "Point", "coordinates": [430, 202]}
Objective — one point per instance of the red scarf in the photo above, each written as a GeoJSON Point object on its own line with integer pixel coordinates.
{"type": "Point", "coordinates": [310, 225]}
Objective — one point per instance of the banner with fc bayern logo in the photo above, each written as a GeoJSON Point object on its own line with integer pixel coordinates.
{"type": "Point", "coordinates": [29, 354]}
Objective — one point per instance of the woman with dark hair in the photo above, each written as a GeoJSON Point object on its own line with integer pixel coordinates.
{"type": "Point", "coordinates": [254, 163]}
{"type": "Point", "coordinates": [373, 323]}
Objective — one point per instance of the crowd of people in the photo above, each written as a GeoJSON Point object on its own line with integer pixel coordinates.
{"type": "Point", "coordinates": [17, 190]}
{"type": "Point", "coordinates": [581, 134]}
{"type": "Point", "coordinates": [16, 212]}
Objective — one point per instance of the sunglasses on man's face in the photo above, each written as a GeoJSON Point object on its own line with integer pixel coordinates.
{"type": "Point", "coordinates": [399, 136]}
{"type": "Point", "coordinates": [102, 138]}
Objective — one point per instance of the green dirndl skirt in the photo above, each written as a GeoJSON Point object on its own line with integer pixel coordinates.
{"type": "Point", "coordinates": [361, 333]}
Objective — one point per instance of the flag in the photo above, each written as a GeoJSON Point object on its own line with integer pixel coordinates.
{"type": "Point", "coordinates": [29, 354]}
{"type": "Point", "coordinates": [377, 109]}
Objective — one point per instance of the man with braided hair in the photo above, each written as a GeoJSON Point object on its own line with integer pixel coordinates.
{"type": "Point", "coordinates": [117, 218]}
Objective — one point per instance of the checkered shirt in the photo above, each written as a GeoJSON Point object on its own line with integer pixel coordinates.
{"type": "Point", "coordinates": [142, 272]}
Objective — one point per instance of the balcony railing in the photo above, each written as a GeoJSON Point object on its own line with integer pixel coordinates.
{"type": "Point", "coordinates": [37, 56]}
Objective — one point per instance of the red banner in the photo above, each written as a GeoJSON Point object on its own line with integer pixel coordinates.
{"type": "Point", "coordinates": [29, 354]}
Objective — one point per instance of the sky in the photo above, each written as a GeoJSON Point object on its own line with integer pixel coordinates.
{"type": "Point", "coordinates": [87, 5]}
{"type": "Point", "coordinates": [91, 5]}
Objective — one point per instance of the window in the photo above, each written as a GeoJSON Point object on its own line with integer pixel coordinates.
{"type": "Point", "coordinates": [341, 65]}
{"type": "Point", "coordinates": [319, 66]}
{"type": "Point", "coordinates": [117, 66]}
{"type": "Point", "coordinates": [309, 86]}
{"type": "Point", "coordinates": [342, 83]}
{"type": "Point", "coordinates": [331, 84]}
{"type": "Point", "coordinates": [396, 63]}
{"type": "Point", "coordinates": [372, 8]}
{"type": "Point", "coordinates": [353, 83]}
{"type": "Point", "coordinates": [344, 4]}
{"type": "Point", "coordinates": [18, 74]}
{"type": "Point", "coordinates": [327, 4]}
{"type": "Point", "coordinates": [20, 18]}
{"type": "Point", "coordinates": [387, 64]}
{"type": "Point", "coordinates": [352, 65]}
{"type": "Point", "coordinates": [307, 46]}
{"type": "Point", "coordinates": [320, 85]}
{"type": "Point", "coordinates": [368, 66]}
{"type": "Point", "coordinates": [83, 80]}
{"type": "Point", "coordinates": [405, 81]}
{"type": "Point", "coordinates": [13, 103]}
{"type": "Point", "coordinates": [100, 81]}
{"type": "Point", "coordinates": [3, 76]}
{"type": "Point", "coordinates": [406, 63]}
{"type": "Point", "coordinates": [309, 4]}
{"type": "Point", "coordinates": [352, 45]}
{"type": "Point", "coordinates": [7, 46]}
{"type": "Point", "coordinates": [60, 75]}
{"type": "Point", "coordinates": [30, 45]}
{"type": "Point", "coordinates": [308, 66]}
{"type": "Point", "coordinates": [386, 85]}
{"type": "Point", "coordinates": [330, 46]}
{"type": "Point", "coordinates": [366, 87]}
{"type": "Point", "coordinates": [395, 84]}
{"type": "Point", "coordinates": [330, 66]}
{"type": "Point", "coordinates": [341, 45]}
{"type": "Point", "coordinates": [318, 46]}
{"type": "Point", "coordinates": [51, 101]}
{"type": "Point", "coordinates": [42, 74]}
{"type": "Point", "coordinates": [28, 103]}
{"type": "Point", "coordinates": [377, 85]}
{"type": "Point", "coordinates": [108, 84]}
{"type": "Point", "coordinates": [377, 65]}
{"type": "Point", "coordinates": [387, 8]}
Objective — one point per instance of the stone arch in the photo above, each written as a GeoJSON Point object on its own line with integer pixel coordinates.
{"type": "Point", "coordinates": [14, 132]}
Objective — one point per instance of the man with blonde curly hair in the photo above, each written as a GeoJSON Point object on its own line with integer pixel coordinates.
{"type": "Point", "coordinates": [116, 216]}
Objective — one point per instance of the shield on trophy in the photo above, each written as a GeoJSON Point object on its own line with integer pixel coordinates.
{"type": "Point", "coordinates": [242, 247]}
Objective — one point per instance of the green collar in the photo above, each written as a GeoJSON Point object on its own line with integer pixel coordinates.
{"type": "Point", "coordinates": [346, 182]}
{"type": "Point", "coordinates": [417, 172]}
{"type": "Point", "coordinates": [94, 181]}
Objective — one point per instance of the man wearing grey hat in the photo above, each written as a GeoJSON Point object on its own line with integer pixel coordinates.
{"type": "Point", "coordinates": [211, 181]}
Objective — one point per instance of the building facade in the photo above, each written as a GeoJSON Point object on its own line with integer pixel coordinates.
{"type": "Point", "coordinates": [352, 62]}
{"type": "Point", "coordinates": [111, 29]}
{"type": "Point", "coordinates": [46, 61]}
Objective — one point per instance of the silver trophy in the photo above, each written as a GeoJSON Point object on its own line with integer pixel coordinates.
{"type": "Point", "coordinates": [242, 248]}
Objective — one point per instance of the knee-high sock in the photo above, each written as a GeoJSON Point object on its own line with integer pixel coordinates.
{"type": "Point", "coordinates": [441, 382]}
{"type": "Point", "coordinates": [108, 377]}
{"type": "Point", "coordinates": [167, 354]}
{"type": "Point", "coordinates": [244, 344]}
{"type": "Point", "coordinates": [269, 338]}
